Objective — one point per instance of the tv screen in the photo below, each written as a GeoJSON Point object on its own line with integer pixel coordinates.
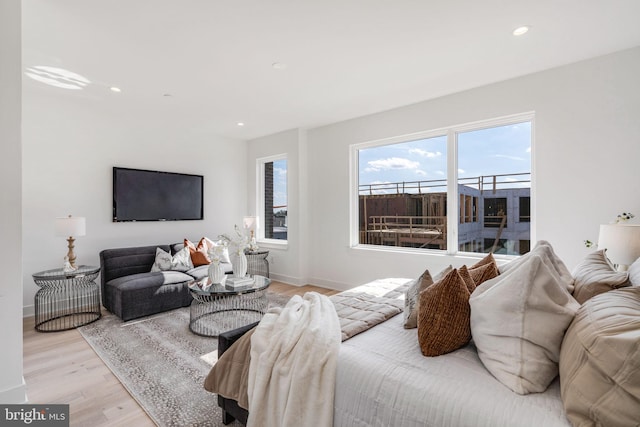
{"type": "Point", "coordinates": [143, 195]}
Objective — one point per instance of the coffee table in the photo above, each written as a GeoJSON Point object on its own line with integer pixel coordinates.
{"type": "Point", "coordinates": [218, 308]}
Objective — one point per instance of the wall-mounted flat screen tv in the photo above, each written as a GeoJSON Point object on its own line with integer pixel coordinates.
{"type": "Point", "coordinates": [144, 195]}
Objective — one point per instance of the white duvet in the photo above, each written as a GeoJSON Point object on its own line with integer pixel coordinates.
{"type": "Point", "coordinates": [384, 380]}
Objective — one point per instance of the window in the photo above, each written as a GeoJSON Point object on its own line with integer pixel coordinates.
{"type": "Point", "coordinates": [481, 173]}
{"type": "Point", "coordinates": [272, 197]}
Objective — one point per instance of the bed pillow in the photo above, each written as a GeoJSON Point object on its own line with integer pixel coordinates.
{"type": "Point", "coordinates": [634, 273]}
{"type": "Point", "coordinates": [411, 300]}
{"type": "Point", "coordinates": [443, 315]}
{"type": "Point", "coordinates": [518, 320]}
{"type": "Point", "coordinates": [596, 275]}
{"type": "Point", "coordinates": [600, 361]}
{"type": "Point", "coordinates": [181, 261]}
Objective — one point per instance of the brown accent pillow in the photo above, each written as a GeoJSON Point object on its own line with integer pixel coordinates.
{"type": "Point", "coordinates": [489, 259]}
{"type": "Point", "coordinates": [444, 316]}
{"type": "Point", "coordinates": [468, 279]}
{"type": "Point", "coordinates": [484, 272]}
{"type": "Point", "coordinates": [198, 253]}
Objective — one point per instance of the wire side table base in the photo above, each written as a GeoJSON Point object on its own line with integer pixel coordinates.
{"type": "Point", "coordinates": [211, 315]}
{"type": "Point", "coordinates": [64, 303]}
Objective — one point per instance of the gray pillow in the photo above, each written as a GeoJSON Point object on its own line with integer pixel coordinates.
{"type": "Point", "coordinates": [634, 273]}
{"type": "Point", "coordinates": [411, 298]}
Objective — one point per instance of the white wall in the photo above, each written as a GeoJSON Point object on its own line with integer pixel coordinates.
{"type": "Point", "coordinates": [70, 146]}
{"type": "Point", "coordinates": [586, 150]}
{"type": "Point", "coordinates": [12, 387]}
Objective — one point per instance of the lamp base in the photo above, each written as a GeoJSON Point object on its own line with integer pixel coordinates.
{"type": "Point", "coordinates": [70, 255]}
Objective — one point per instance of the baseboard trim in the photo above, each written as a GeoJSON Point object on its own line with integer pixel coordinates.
{"type": "Point", "coordinates": [15, 395]}
{"type": "Point", "coordinates": [329, 284]}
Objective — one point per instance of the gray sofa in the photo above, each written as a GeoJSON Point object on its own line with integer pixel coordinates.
{"type": "Point", "coordinates": [130, 290]}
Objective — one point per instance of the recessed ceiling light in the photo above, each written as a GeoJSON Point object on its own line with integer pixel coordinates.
{"type": "Point", "coordinates": [240, 124]}
{"type": "Point", "coordinates": [115, 89]}
{"type": "Point", "coordinates": [58, 77]}
{"type": "Point", "coordinates": [279, 66]}
{"type": "Point", "coordinates": [520, 30]}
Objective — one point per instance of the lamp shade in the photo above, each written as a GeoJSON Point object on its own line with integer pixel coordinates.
{"type": "Point", "coordinates": [70, 226]}
{"type": "Point", "coordinates": [250, 222]}
{"type": "Point", "coordinates": [622, 242]}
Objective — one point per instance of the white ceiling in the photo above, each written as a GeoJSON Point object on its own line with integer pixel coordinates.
{"type": "Point", "coordinates": [345, 58]}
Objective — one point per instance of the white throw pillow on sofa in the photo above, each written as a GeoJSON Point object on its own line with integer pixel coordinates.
{"type": "Point", "coordinates": [181, 261]}
{"type": "Point", "coordinates": [519, 318]}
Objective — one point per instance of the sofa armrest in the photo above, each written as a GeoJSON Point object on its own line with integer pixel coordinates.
{"type": "Point", "coordinates": [226, 339]}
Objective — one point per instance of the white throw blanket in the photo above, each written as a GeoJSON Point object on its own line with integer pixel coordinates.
{"type": "Point", "coordinates": [294, 353]}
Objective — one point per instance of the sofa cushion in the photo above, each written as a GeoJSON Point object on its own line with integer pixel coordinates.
{"type": "Point", "coordinates": [518, 320]}
{"type": "Point", "coordinates": [596, 275]}
{"type": "Point", "coordinates": [600, 361]}
{"type": "Point", "coordinates": [150, 279]}
{"type": "Point", "coordinates": [203, 271]}
{"type": "Point", "coordinates": [443, 316]}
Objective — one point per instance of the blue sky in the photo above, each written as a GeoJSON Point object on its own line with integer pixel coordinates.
{"type": "Point", "coordinates": [498, 150]}
{"type": "Point", "coordinates": [279, 184]}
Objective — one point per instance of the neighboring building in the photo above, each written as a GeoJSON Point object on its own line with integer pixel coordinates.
{"type": "Point", "coordinates": [495, 220]}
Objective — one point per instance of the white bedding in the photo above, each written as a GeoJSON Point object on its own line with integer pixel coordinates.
{"type": "Point", "coordinates": [384, 380]}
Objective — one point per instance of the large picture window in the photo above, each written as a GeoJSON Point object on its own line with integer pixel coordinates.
{"type": "Point", "coordinates": [272, 198]}
{"type": "Point", "coordinates": [465, 188]}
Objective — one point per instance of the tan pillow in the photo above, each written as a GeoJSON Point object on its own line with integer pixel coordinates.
{"type": "Point", "coordinates": [600, 361]}
{"type": "Point", "coordinates": [443, 317]}
{"type": "Point", "coordinates": [596, 275]}
{"type": "Point", "coordinates": [489, 259]}
{"type": "Point", "coordinates": [198, 253]}
{"type": "Point", "coordinates": [411, 300]}
{"type": "Point", "coordinates": [468, 280]}
{"type": "Point", "coordinates": [518, 320]}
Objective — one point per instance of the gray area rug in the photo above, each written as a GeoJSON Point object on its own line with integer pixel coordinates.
{"type": "Point", "coordinates": [162, 364]}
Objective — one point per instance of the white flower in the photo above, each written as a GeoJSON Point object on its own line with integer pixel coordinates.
{"type": "Point", "coordinates": [239, 243]}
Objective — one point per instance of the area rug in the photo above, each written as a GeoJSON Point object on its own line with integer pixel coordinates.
{"type": "Point", "coordinates": [162, 364]}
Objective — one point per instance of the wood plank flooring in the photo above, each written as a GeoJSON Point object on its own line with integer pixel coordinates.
{"type": "Point", "coordinates": [60, 367]}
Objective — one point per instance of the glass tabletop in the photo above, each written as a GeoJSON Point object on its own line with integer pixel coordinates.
{"type": "Point", "coordinates": [205, 287]}
{"type": "Point", "coordinates": [59, 273]}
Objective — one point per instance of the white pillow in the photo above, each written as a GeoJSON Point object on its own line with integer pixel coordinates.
{"type": "Point", "coordinates": [519, 318]}
{"type": "Point", "coordinates": [634, 273]}
{"type": "Point", "coordinates": [181, 261]}
{"type": "Point", "coordinates": [224, 250]}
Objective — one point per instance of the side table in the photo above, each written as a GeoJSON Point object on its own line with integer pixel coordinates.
{"type": "Point", "coordinates": [257, 262]}
{"type": "Point", "coordinates": [66, 300]}
{"type": "Point", "coordinates": [218, 308]}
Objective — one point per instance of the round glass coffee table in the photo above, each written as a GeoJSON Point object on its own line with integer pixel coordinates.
{"type": "Point", "coordinates": [218, 308]}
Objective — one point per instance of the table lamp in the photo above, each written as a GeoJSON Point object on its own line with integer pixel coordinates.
{"type": "Point", "coordinates": [70, 227]}
{"type": "Point", "coordinates": [622, 242]}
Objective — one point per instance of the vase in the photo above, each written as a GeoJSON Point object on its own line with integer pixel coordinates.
{"type": "Point", "coordinates": [216, 272]}
{"type": "Point", "coordinates": [240, 265]}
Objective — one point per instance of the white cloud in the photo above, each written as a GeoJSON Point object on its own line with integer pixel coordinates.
{"type": "Point", "coordinates": [280, 171]}
{"type": "Point", "coordinates": [439, 173]}
{"type": "Point", "coordinates": [425, 153]}
{"type": "Point", "coordinates": [421, 172]}
{"type": "Point", "coordinates": [461, 170]}
{"type": "Point", "coordinates": [504, 156]}
{"type": "Point", "coordinates": [528, 149]}
{"type": "Point", "coordinates": [391, 163]}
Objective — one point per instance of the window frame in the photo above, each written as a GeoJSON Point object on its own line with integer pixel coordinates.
{"type": "Point", "coordinates": [260, 200]}
{"type": "Point", "coordinates": [453, 202]}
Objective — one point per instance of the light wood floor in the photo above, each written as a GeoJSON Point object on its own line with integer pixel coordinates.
{"type": "Point", "coordinates": [60, 367]}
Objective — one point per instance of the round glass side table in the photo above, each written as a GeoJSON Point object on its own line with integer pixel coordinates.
{"type": "Point", "coordinates": [218, 308]}
{"type": "Point", "coordinates": [66, 300]}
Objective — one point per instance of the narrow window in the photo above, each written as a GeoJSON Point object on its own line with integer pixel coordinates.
{"type": "Point", "coordinates": [273, 197]}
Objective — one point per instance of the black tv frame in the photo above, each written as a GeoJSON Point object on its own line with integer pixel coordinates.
{"type": "Point", "coordinates": [160, 175]}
